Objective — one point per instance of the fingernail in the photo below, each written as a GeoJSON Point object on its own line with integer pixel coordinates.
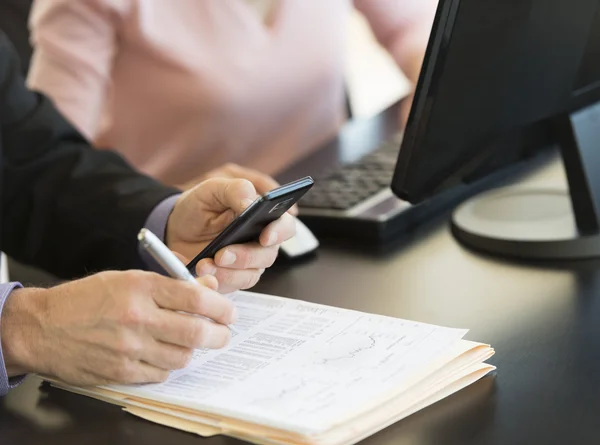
{"type": "Point", "coordinates": [272, 239]}
{"type": "Point", "coordinates": [234, 316]}
{"type": "Point", "coordinates": [246, 203]}
{"type": "Point", "coordinates": [228, 258]}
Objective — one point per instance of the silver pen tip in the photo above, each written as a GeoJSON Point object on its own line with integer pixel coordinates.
{"type": "Point", "coordinates": [142, 236]}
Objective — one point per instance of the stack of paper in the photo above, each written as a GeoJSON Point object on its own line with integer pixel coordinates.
{"type": "Point", "coordinates": [302, 373]}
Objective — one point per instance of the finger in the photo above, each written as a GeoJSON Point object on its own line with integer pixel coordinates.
{"type": "Point", "coordinates": [189, 331]}
{"type": "Point", "coordinates": [231, 280]}
{"type": "Point", "coordinates": [262, 183]}
{"type": "Point", "coordinates": [206, 267]}
{"type": "Point", "coordinates": [278, 231]}
{"type": "Point", "coordinates": [294, 210]}
{"type": "Point", "coordinates": [166, 356]}
{"type": "Point", "coordinates": [246, 256]}
{"type": "Point", "coordinates": [207, 277]}
{"type": "Point", "coordinates": [128, 372]}
{"type": "Point", "coordinates": [234, 194]}
{"type": "Point", "coordinates": [199, 299]}
{"type": "Point", "coordinates": [146, 373]}
{"type": "Point", "coordinates": [101, 366]}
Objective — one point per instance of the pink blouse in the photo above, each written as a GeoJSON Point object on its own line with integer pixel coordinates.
{"type": "Point", "coordinates": [182, 86]}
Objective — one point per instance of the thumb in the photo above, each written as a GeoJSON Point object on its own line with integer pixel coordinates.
{"type": "Point", "coordinates": [206, 280]}
{"type": "Point", "coordinates": [234, 194]}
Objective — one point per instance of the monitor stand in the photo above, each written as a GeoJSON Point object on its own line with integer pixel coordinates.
{"type": "Point", "coordinates": [540, 223]}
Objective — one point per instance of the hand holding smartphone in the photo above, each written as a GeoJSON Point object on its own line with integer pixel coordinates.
{"type": "Point", "coordinates": [249, 225]}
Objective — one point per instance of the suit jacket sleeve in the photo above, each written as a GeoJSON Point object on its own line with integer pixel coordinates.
{"type": "Point", "coordinates": [65, 207]}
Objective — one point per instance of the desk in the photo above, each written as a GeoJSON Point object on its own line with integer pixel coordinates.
{"type": "Point", "coordinates": [544, 322]}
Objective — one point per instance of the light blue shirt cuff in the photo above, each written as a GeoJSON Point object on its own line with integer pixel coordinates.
{"type": "Point", "coordinates": [5, 382]}
{"type": "Point", "coordinates": [157, 224]}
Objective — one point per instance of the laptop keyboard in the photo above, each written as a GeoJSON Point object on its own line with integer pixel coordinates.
{"type": "Point", "coordinates": [351, 184]}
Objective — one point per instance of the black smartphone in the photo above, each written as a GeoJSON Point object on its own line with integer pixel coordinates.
{"type": "Point", "coordinates": [249, 225]}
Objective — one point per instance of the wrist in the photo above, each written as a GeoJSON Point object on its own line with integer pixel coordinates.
{"type": "Point", "coordinates": [20, 328]}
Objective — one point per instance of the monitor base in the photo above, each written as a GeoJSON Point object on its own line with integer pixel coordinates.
{"type": "Point", "coordinates": [525, 223]}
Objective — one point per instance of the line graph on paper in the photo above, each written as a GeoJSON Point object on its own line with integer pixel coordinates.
{"type": "Point", "coordinates": [285, 389]}
{"type": "Point", "coordinates": [364, 343]}
{"type": "Point", "coordinates": [346, 347]}
{"type": "Point", "coordinates": [320, 373]}
{"type": "Point", "coordinates": [319, 379]}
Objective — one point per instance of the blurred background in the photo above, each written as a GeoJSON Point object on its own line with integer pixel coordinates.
{"type": "Point", "coordinates": [373, 79]}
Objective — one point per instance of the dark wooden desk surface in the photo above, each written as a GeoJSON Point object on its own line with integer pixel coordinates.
{"type": "Point", "coordinates": [544, 322]}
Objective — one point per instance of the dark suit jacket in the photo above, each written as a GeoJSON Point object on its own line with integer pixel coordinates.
{"type": "Point", "coordinates": [64, 206]}
{"type": "Point", "coordinates": [14, 16]}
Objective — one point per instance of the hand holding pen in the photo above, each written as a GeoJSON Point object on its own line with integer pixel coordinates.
{"type": "Point", "coordinates": [167, 259]}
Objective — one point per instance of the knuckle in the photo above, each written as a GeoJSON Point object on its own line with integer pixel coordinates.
{"type": "Point", "coordinates": [120, 347]}
{"type": "Point", "coordinates": [197, 298]}
{"type": "Point", "coordinates": [229, 308]}
{"type": "Point", "coordinates": [210, 281]}
{"type": "Point", "coordinates": [242, 183]}
{"type": "Point", "coordinates": [136, 279]}
{"type": "Point", "coordinates": [273, 252]}
{"type": "Point", "coordinates": [256, 279]}
{"type": "Point", "coordinates": [123, 371]}
{"type": "Point", "coordinates": [183, 358]}
{"type": "Point", "coordinates": [128, 348]}
{"type": "Point", "coordinates": [245, 258]}
{"type": "Point", "coordinates": [226, 311]}
{"type": "Point", "coordinates": [223, 339]}
{"type": "Point", "coordinates": [132, 316]}
{"type": "Point", "coordinates": [225, 277]}
{"type": "Point", "coordinates": [162, 376]}
{"type": "Point", "coordinates": [197, 333]}
{"type": "Point", "coordinates": [249, 281]}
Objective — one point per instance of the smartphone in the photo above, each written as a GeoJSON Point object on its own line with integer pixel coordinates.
{"type": "Point", "coordinates": [249, 225]}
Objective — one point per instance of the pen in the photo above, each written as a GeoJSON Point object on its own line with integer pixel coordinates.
{"type": "Point", "coordinates": [167, 259]}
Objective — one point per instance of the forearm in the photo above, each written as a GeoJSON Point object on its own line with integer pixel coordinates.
{"type": "Point", "coordinates": [20, 311]}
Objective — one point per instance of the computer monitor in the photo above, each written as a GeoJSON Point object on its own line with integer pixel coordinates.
{"type": "Point", "coordinates": [500, 78]}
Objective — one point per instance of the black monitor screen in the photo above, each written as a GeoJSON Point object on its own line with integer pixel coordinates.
{"type": "Point", "coordinates": [495, 73]}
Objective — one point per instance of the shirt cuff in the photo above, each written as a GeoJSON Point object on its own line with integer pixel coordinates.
{"type": "Point", "coordinates": [5, 382]}
{"type": "Point", "coordinates": [157, 224]}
